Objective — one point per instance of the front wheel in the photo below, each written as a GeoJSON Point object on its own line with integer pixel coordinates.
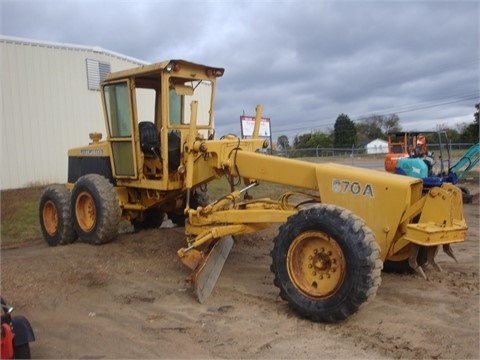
{"type": "Point", "coordinates": [326, 263]}
{"type": "Point", "coordinates": [95, 209]}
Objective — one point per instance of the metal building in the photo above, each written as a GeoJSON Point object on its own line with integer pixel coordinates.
{"type": "Point", "coordinates": [50, 102]}
{"type": "Point", "coordinates": [377, 146]}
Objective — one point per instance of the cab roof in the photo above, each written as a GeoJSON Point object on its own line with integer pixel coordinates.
{"type": "Point", "coordinates": [159, 67]}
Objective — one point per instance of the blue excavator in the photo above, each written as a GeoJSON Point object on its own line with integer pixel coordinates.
{"type": "Point", "coordinates": [434, 172]}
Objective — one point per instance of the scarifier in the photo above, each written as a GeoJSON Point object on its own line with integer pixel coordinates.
{"type": "Point", "coordinates": [161, 152]}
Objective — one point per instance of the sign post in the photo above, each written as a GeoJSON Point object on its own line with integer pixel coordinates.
{"type": "Point", "coordinates": [247, 124]}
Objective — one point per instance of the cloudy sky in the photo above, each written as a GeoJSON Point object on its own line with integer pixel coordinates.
{"type": "Point", "coordinates": [305, 61]}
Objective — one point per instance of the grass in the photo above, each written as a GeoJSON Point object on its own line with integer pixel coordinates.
{"type": "Point", "coordinates": [19, 216]}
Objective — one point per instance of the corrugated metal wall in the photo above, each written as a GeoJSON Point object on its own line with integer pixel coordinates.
{"type": "Point", "coordinates": [47, 108]}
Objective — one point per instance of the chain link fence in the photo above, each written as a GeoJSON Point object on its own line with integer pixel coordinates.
{"type": "Point", "coordinates": [457, 151]}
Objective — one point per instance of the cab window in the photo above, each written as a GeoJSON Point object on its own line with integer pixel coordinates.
{"type": "Point", "coordinates": [117, 105]}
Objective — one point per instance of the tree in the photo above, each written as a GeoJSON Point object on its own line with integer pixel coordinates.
{"type": "Point", "coordinates": [391, 124]}
{"type": "Point", "coordinates": [321, 140]}
{"type": "Point", "coordinates": [282, 142]}
{"type": "Point", "coordinates": [377, 127]}
{"type": "Point", "coordinates": [313, 140]}
{"type": "Point", "coordinates": [301, 141]}
{"type": "Point", "coordinates": [469, 133]}
{"type": "Point", "coordinates": [474, 128]}
{"type": "Point", "coordinates": [452, 134]}
{"type": "Point", "coordinates": [370, 128]}
{"type": "Point", "coordinates": [344, 132]}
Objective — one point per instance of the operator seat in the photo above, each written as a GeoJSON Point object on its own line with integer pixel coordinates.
{"type": "Point", "coordinates": [149, 138]}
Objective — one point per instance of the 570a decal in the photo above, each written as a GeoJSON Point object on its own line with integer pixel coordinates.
{"type": "Point", "coordinates": [353, 187]}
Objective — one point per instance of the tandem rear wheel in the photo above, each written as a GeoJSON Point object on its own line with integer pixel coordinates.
{"type": "Point", "coordinates": [95, 209]}
{"type": "Point", "coordinates": [54, 215]}
{"type": "Point", "coordinates": [90, 212]}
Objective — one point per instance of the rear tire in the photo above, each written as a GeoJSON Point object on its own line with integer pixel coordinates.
{"type": "Point", "coordinates": [326, 263]}
{"type": "Point", "coordinates": [95, 209]}
{"type": "Point", "coordinates": [55, 217]}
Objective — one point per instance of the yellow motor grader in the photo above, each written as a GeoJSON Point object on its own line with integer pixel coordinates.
{"type": "Point", "coordinates": [161, 152]}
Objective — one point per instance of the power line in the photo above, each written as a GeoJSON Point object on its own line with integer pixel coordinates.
{"type": "Point", "coordinates": [423, 106]}
{"type": "Point", "coordinates": [404, 109]}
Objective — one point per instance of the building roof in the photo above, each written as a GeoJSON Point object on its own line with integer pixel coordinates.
{"type": "Point", "coordinates": [376, 141]}
{"type": "Point", "coordinates": [66, 46]}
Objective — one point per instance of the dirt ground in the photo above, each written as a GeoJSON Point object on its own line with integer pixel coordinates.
{"type": "Point", "coordinates": [129, 299]}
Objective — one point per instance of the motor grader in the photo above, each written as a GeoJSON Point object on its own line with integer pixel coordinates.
{"type": "Point", "coordinates": [159, 155]}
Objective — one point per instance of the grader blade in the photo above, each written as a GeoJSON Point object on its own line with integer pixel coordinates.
{"type": "Point", "coordinates": [206, 275]}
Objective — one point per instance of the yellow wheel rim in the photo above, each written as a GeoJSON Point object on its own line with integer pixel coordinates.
{"type": "Point", "coordinates": [316, 264]}
{"type": "Point", "coordinates": [50, 217]}
{"type": "Point", "coordinates": [85, 211]}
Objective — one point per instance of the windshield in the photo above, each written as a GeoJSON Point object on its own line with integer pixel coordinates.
{"type": "Point", "coordinates": [182, 93]}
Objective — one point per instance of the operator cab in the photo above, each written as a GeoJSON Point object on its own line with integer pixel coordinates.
{"type": "Point", "coordinates": [148, 113]}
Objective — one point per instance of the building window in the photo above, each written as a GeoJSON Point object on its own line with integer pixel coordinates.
{"type": "Point", "coordinates": [96, 73]}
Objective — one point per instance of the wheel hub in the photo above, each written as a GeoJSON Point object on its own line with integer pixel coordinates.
{"type": "Point", "coordinates": [50, 218]}
{"type": "Point", "coordinates": [322, 263]}
{"type": "Point", "coordinates": [85, 211]}
{"type": "Point", "coordinates": [316, 264]}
